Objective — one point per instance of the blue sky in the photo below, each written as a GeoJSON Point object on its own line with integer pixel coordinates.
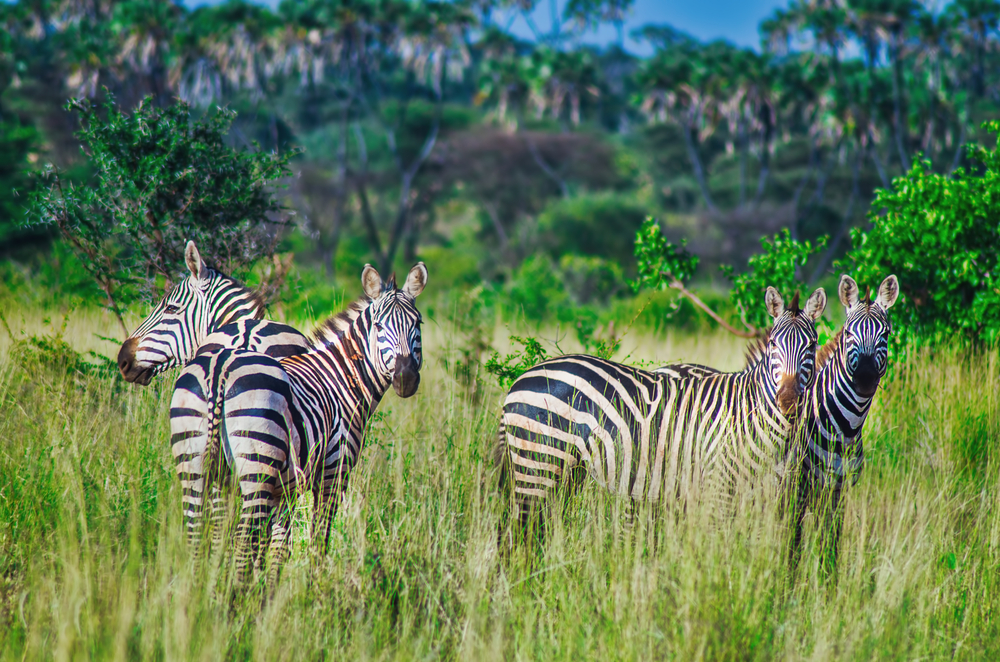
{"type": "Point", "coordinates": [735, 20]}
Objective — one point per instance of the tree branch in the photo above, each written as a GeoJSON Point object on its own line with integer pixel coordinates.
{"type": "Point", "coordinates": [679, 286]}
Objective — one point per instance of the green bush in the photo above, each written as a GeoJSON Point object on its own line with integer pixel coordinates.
{"type": "Point", "coordinates": [598, 224]}
{"type": "Point", "coordinates": [160, 179]}
{"type": "Point", "coordinates": [535, 289]}
{"type": "Point", "coordinates": [940, 236]}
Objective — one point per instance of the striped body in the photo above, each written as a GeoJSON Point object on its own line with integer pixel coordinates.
{"type": "Point", "coordinates": [678, 434]}
{"type": "Point", "coordinates": [329, 392]}
{"type": "Point", "coordinates": [830, 451]}
{"type": "Point", "coordinates": [850, 368]}
{"type": "Point", "coordinates": [195, 393]}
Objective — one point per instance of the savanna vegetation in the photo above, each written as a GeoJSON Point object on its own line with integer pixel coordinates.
{"type": "Point", "coordinates": [564, 197]}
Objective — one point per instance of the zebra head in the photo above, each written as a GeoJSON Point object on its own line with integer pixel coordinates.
{"type": "Point", "coordinates": [791, 346]}
{"type": "Point", "coordinates": [197, 305]}
{"type": "Point", "coordinates": [864, 342]}
{"type": "Point", "coordinates": [394, 332]}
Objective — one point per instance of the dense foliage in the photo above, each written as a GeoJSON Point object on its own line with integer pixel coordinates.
{"type": "Point", "coordinates": [662, 264]}
{"type": "Point", "coordinates": [940, 235]}
{"type": "Point", "coordinates": [160, 180]}
{"type": "Point", "coordinates": [429, 128]}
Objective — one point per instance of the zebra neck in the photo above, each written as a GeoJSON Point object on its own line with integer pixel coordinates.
{"type": "Point", "coordinates": [348, 361]}
{"type": "Point", "coordinates": [839, 412]}
{"type": "Point", "coordinates": [230, 301]}
{"type": "Point", "coordinates": [760, 388]}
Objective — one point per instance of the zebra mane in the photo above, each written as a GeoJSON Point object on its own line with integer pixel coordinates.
{"type": "Point", "coordinates": [756, 350]}
{"type": "Point", "coordinates": [333, 328]}
{"type": "Point", "coordinates": [793, 306]}
{"type": "Point", "coordinates": [254, 295]}
{"type": "Point", "coordinates": [825, 353]}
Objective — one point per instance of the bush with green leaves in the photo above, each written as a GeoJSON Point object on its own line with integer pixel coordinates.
{"type": "Point", "coordinates": [506, 369]}
{"type": "Point", "coordinates": [598, 224]}
{"type": "Point", "coordinates": [940, 235]}
{"type": "Point", "coordinates": [159, 180]}
{"type": "Point", "coordinates": [777, 265]}
{"type": "Point", "coordinates": [662, 264]}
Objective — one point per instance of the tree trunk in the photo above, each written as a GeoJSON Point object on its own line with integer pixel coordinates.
{"type": "Point", "coordinates": [831, 251]}
{"type": "Point", "coordinates": [699, 171]}
{"type": "Point", "coordinates": [899, 123]}
{"type": "Point", "coordinates": [545, 167]}
{"type": "Point", "coordinates": [742, 138]}
{"type": "Point", "coordinates": [360, 184]}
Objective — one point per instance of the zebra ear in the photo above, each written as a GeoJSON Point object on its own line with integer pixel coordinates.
{"type": "Point", "coordinates": [416, 280]}
{"type": "Point", "coordinates": [775, 304]}
{"type": "Point", "coordinates": [816, 304]}
{"type": "Point", "coordinates": [194, 262]}
{"type": "Point", "coordinates": [371, 282]}
{"type": "Point", "coordinates": [848, 291]}
{"type": "Point", "coordinates": [888, 291]}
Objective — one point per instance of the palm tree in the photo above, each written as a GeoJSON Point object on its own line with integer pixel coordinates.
{"type": "Point", "coordinates": [675, 85]}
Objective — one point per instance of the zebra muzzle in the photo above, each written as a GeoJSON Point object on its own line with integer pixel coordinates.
{"type": "Point", "coordinates": [405, 376]}
{"type": "Point", "coordinates": [788, 394]}
{"type": "Point", "coordinates": [126, 364]}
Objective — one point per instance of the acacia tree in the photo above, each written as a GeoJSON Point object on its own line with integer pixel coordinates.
{"type": "Point", "coordinates": [160, 179]}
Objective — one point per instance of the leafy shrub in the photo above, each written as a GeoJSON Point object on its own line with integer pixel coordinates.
{"type": "Point", "coordinates": [775, 266]}
{"type": "Point", "coordinates": [160, 179]}
{"type": "Point", "coordinates": [940, 236]}
{"type": "Point", "coordinates": [535, 289]}
{"type": "Point", "coordinates": [599, 224]}
{"type": "Point", "coordinates": [17, 145]}
{"type": "Point", "coordinates": [662, 264]}
{"type": "Point", "coordinates": [508, 368]}
{"type": "Point", "coordinates": [590, 279]}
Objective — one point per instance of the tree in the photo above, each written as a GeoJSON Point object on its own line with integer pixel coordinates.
{"type": "Point", "coordinates": [940, 235]}
{"type": "Point", "coordinates": [160, 179]}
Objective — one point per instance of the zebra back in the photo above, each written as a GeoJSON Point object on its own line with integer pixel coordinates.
{"type": "Point", "coordinates": [646, 434]}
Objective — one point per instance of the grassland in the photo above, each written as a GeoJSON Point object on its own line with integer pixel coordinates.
{"type": "Point", "coordinates": [93, 563]}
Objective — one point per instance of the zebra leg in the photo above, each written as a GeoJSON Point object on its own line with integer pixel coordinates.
{"type": "Point", "coordinates": [830, 535]}
{"type": "Point", "coordinates": [188, 442]}
{"type": "Point", "coordinates": [255, 515]}
{"type": "Point", "coordinates": [326, 500]}
{"type": "Point", "coordinates": [281, 538]}
{"type": "Point", "coordinates": [800, 498]}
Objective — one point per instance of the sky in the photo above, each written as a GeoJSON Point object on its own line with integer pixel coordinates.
{"type": "Point", "coordinates": [735, 20]}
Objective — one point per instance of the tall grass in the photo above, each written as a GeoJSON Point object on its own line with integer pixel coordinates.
{"type": "Point", "coordinates": [93, 562]}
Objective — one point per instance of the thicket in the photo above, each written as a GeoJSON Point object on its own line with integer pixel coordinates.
{"type": "Point", "coordinates": [940, 235]}
{"type": "Point", "coordinates": [159, 180]}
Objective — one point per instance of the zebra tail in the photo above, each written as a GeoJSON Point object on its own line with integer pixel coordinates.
{"type": "Point", "coordinates": [213, 465]}
{"type": "Point", "coordinates": [501, 459]}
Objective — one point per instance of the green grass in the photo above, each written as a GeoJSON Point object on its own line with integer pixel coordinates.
{"type": "Point", "coordinates": [93, 563]}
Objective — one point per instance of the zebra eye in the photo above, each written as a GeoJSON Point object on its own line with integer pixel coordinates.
{"type": "Point", "coordinates": [378, 327]}
{"type": "Point", "coordinates": [172, 310]}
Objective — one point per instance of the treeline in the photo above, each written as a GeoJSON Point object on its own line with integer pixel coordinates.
{"type": "Point", "coordinates": [427, 128]}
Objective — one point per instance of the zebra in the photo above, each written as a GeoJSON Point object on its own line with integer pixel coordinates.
{"type": "Point", "coordinates": [275, 425]}
{"type": "Point", "coordinates": [648, 435]}
{"type": "Point", "coordinates": [849, 369]}
{"type": "Point", "coordinates": [202, 305]}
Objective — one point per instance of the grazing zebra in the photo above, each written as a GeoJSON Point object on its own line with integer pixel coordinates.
{"type": "Point", "coordinates": [646, 434]}
{"type": "Point", "coordinates": [849, 368]}
{"type": "Point", "coordinates": [278, 425]}
{"type": "Point", "coordinates": [205, 303]}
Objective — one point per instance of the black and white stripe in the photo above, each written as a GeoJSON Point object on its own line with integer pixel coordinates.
{"type": "Point", "coordinates": [329, 392]}
{"type": "Point", "coordinates": [677, 433]}
{"type": "Point", "coordinates": [178, 324]}
{"type": "Point", "coordinates": [850, 368]}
